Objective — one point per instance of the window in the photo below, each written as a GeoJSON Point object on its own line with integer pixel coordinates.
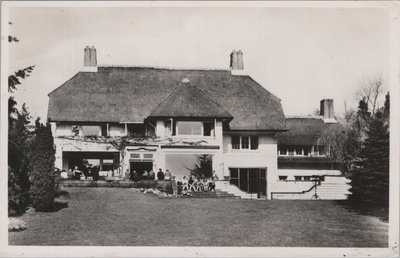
{"type": "Point", "coordinates": [189, 128]}
{"type": "Point", "coordinates": [291, 151]}
{"type": "Point", "coordinates": [90, 130]}
{"type": "Point", "coordinates": [235, 142]}
{"type": "Point", "coordinates": [148, 156]}
{"type": "Point", "coordinates": [307, 178]}
{"type": "Point", "coordinates": [104, 130]}
{"type": "Point", "coordinates": [282, 178]}
{"type": "Point", "coordinates": [244, 142]}
{"type": "Point", "coordinates": [234, 178]}
{"type": "Point", "coordinates": [136, 129]}
{"type": "Point", "coordinates": [298, 178]}
{"type": "Point", "coordinates": [135, 156]}
{"type": "Point", "coordinates": [254, 142]}
{"type": "Point", "coordinates": [208, 128]}
{"type": "Point", "coordinates": [168, 127]}
{"type": "Point", "coordinates": [282, 150]}
{"type": "Point", "coordinates": [299, 151]}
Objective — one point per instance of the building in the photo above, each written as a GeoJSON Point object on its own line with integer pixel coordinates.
{"type": "Point", "coordinates": [142, 118]}
{"type": "Point", "coordinates": [304, 153]}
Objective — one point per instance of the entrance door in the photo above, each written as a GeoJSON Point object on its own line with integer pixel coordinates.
{"type": "Point", "coordinates": [253, 180]}
{"type": "Point", "coordinates": [250, 180]}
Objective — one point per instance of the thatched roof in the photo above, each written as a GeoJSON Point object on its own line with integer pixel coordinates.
{"type": "Point", "coordinates": [187, 100]}
{"type": "Point", "coordinates": [130, 94]}
{"type": "Point", "coordinates": [303, 131]}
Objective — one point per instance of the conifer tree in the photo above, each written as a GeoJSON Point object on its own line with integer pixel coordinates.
{"type": "Point", "coordinates": [370, 175]}
{"type": "Point", "coordinates": [203, 166]}
{"type": "Point", "coordinates": [43, 156]}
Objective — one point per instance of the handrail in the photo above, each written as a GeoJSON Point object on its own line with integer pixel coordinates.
{"type": "Point", "coordinates": [302, 192]}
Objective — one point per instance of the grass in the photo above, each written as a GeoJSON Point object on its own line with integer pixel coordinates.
{"type": "Point", "coordinates": [125, 217]}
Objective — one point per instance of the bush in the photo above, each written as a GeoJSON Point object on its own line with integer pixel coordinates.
{"type": "Point", "coordinates": [43, 156]}
{"type": "Point", "coordinates": [16, 199]}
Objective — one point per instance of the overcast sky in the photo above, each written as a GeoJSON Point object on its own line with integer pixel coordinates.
{"type": "Point", "coordinates": [301, 55]}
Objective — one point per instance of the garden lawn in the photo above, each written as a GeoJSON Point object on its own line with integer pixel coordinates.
{"type": "Point", "coordinates": [126, 217]}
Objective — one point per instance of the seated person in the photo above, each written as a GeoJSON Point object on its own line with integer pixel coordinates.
{"type": "Point", "coordinates": [211, 185]}
{"type": "Point", "coordinates": [167, 175]}
{"type": "Point", "coordinates": [70, 174]}
{"type": "Point", "coordinates": [77, 174]}
{"type": "Point", "coordinates": [192, 186]}
{"type": "Point", "coordinates": [109, 175]}
{"type": "Point", "coordinates": [151, 175]}
{"type": "Point", "coordinates": [205, 183]}
{"type": "Point", "coordinates": [117, 174]}
{"type": "Point", "coordinates": [185, 185]}
{"type": "Point", "coordinates": [179, 187]}
{"type": "Point", "coordinates": [64, 174]}
{"type": "Point", "coordinates": [200, 185]}
{"type": "Point", "coordinates": [127, 175]}
{"type": "Point", "coordinates": [145, 175]}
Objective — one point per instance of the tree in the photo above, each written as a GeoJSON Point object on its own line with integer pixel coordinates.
{"type": "Point", "coordinates": [370, 176]}
{"type": "Point", "coordinates": [203, 166]}
{"type": "Point", "coordinates": [19, 136]}
{"type": "Point", "coordinates": [43, 173]}
{"type": "Point", "coordinates": [371, 91]}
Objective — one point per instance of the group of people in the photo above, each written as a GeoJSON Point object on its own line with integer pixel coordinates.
{"type": "Point", "coordinates": [195, 184]}
{"type": "Point", "coordinates": [149, 175]}
{"type": "Point", "coordinates": [94, 173]}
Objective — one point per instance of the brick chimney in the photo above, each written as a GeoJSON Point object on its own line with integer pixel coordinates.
{"type": "Point", "coordinates": [327, 112]}
{"type": "Point", "coordinates": [89, 59]}
{"type": "Point", "coordinates": [236, 63]}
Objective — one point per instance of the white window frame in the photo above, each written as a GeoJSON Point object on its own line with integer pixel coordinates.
{"type": "Point", "coordinates": [240, 143]}
{"type": "Point", "coordinates": [193, 135]}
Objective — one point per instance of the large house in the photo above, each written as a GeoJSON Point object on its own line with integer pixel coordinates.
{"type": "Point", "coordinates": [142, 118]}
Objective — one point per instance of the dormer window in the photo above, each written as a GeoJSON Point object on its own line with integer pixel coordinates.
{"type": "Point", "coordinates": [189, 128]}
{"type": "Point", "coordinates": [192, 128]}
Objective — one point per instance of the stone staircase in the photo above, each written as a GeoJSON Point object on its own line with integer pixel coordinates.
{"type": "Point", "coordinates": [225, 186]}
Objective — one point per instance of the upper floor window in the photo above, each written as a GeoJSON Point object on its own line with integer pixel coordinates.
{"type": "Point", "coordinates": [299, 150]}
{"type": "Point", "coordinates": [244, 142]}
{"type": "Point", "coordinates": [194, 128]}
{"type": "Point", "coordinates": [90, 130]}
{"type": "Point", "coordinates": [189, 128]}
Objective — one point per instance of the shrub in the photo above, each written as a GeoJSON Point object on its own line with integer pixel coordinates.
{"type": "Point", "coordinates": [42, 178]}
{"type": "Point", "coordinates": [16, 199]}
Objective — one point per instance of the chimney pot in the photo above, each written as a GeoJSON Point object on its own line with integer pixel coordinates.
{"type": "Point", "coordinates": [240, 60]}
{"type": "Point", "coordinates": [89, 59]}
{"type": "Point", "coordinates": [234, 60]}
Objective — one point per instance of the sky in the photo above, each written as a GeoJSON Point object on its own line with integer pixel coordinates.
{"type": "Point", "coordinates": [301, 55]}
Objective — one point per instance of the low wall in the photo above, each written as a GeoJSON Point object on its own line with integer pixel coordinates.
{"type": "Point", "coordinates": [164, 186]}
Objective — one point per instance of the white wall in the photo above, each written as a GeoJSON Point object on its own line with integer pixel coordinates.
{"type": "Point", "coordinates": [264, 157]}
{"type": "Point", "coordinates": [298, 186]}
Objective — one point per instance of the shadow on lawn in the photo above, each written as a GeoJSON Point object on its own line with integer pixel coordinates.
{"type": "Point", "coordinates": [379, 212]}
{"type": "Point", "coordinates": [59, 204]}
